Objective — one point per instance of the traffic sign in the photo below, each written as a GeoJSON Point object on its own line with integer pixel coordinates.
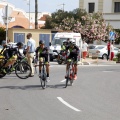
{"type": "Point", "coordinates": [7, 10]}
{"type": "Point", "coordinates": [111, 35]}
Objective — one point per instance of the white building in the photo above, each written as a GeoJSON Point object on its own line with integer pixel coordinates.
{"type": "Point", "coordinates": [109, 8]}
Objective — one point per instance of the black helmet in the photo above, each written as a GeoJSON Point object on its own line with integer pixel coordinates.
{"type": "Point", "coordinates": [71, 43]}
{"type": "Point", "coordinates": [20, 44]}
{"type": "Point", "coordinates": [41, 42]}
{"type": "Point", "coordinates": [64, 42]}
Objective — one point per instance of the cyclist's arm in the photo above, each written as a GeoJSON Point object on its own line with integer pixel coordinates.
{"type": "Point", "coordinates": [36, 52]}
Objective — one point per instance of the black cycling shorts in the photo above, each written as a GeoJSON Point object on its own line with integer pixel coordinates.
{"type": "Point", "coordinates": [73, 56]}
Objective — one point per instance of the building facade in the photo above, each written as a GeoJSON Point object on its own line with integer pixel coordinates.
{"type": "Point", "coordinates": [109, 8]}
{"type": "Point", "coordinates": [21, 19]}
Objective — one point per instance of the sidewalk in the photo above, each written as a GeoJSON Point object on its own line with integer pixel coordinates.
{"type": "Point", "coordinates": [89, 61]}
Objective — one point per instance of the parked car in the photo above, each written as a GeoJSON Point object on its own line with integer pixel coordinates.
{"type": "Point", "coordinates": [101, 51]}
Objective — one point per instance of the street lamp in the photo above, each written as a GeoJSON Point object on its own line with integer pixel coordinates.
{"type": "Point", "coordinates": [62, 6]}
{"type": "Point", "coordinates": [28, 3]}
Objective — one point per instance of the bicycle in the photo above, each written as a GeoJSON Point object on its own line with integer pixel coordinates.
{"type": "Point", "coordinates": [22, 68]}
{"type": "Point", "coordinates": [70, 72]}
{"type": "Point", "coordinates": [43, 74]}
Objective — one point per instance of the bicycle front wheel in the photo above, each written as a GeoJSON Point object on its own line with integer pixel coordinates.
{"type": "Point", "coordinates": [67, 78]}
{"type": "Point", "coordinates": [43, 83]}
{"type": "Point", "coordinates": [2, 74]}
{"type": "Point", "coordinates": [23, 70]}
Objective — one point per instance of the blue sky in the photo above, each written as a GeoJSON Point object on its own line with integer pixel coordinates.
{"type": "Point", "coordinates": [46, 5]}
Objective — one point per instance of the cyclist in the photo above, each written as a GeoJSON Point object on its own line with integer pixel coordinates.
{"type": "Point", "coordinates": [63, 46]}
{"type": "Point", "coordinates": [73, 51]}
{"type": "Point", "coordinates": [11, 55]}
{"type": "Point", "coordinates": [43, 52]}
{"type": "Point", "coordinates": [4, 46]}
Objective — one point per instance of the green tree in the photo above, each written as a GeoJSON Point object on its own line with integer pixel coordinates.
{"type": "Point", "coordinates": [57, 17]}
{"type": "Point", "coordinates": [2, 34]}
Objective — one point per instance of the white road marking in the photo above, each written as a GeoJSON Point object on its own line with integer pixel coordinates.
{"type": "Point", "coordinates": [107, 71]}
{"type": "Point", "coordinates": [63, 80]}
{"type": "Point", "coordinates": [68, 105]}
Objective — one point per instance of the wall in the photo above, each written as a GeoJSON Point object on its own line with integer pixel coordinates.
{"type": "Point", "coordinates": [89, 1]}
{"type": "Point", "coordinates": [35, 33]}
{"type": "Point", "coordinates": [107, 6]}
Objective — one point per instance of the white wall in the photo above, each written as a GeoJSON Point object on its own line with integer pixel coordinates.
{"type": "Point", "coordinates": [115, 24]}
{"type": "Point", "coordinates": [89, 1]}
{"type": "Point", "coordinates": [107, 6]}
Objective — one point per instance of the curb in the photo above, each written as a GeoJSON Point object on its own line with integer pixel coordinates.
{"type": "Point", "coordinates": [97, 63]}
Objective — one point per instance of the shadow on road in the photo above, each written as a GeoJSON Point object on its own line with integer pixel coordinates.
{"type": "Point", "coordinates": [58, 86]}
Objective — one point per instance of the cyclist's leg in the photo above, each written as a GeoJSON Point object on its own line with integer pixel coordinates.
{"type": "Point", "coordinates": [68, 59]}
{"type": "Point", "coordinates": [11, 61]}
{"type": "Point", "coordinates": [47, 67]}
{"type": "Point", "coordinates": [40, 65]}
{"type": "Point", "coordinates": [75, 66]}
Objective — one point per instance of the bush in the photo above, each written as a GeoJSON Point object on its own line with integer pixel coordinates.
{"type": "Point", "coordinates": [2, 34]}
{"type": "Point", "coordinates": [118, 57]}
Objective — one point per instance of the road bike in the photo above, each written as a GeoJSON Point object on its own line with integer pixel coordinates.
{"type": "Point", "coordinates": [43, 74]}
{"type": "Point", "coordinates": [70, 72]}
{"type": "Point", "coordinates": [21, 67]}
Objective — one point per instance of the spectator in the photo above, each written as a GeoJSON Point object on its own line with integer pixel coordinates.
{"type": "Point", "coordinates": [108, 48]}
{"type": "Point", "coordinates": [30, 51]}
{"type": "Point", "coordinates": [84, 49]}
{"type": "Point", "coordinates": [111, 51]}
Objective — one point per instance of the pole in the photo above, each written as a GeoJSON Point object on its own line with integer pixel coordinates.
{"type": "Point", "coordinates": [6, 23]}
{"type": "Point", "coordinates": [29, 14]}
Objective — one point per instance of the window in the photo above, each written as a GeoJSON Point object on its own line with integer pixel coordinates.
{"type": "Point", "coordinates": [117, 7]}
{"type": "Point", "coordinates": [91, 7]}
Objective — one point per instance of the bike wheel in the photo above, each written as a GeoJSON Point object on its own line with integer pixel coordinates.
{"type": "Point", "coordinates": [67, 78]}
{"type": "Point", "coordinates": [23, 70]}
{"type": "Point", "coordinates": [2, 74]}
{"type": "Point", "coordinates": [43, 78]}
{"type": "Point", "coordinates": [43, 83]}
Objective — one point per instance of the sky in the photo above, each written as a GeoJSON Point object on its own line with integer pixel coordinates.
{"type": "Point", "coordinates": [45, 5]}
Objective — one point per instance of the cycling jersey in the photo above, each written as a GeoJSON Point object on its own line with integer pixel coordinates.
{"type": "Point", "coordinates": [9, 52]}
{"type": "Point", "coordinates": [43, 52]}
{"type": "Point", "coordinates": [74, 52]}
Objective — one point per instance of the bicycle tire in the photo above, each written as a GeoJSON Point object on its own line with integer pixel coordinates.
{"type": "Point", "coordinates": [23, 70]}
{"type": "Point", "coordinates": [43, 83]}
{"type": "Point", "coordinates": [67, 79]}
{"type": "Point", "coordinates": [71, 80]}
{"type": "Point", "coordinates": [43, 79]}
{"type": "Point", "coordinates": [2, 74]}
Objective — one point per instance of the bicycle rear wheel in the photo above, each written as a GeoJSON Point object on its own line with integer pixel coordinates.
{"type": "Point", "coordinates": [23, 70]}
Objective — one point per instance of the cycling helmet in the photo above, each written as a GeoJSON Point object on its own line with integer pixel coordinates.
{"type": "Point", "coordinates": [41, 42]}
{"type": "Point", "coordinates": [20, 44]}
{"type": "Point", "coordinates": [64, 42]}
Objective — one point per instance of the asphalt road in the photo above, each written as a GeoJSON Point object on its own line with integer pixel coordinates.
{"type": "Point", "coordinates": [95, 95]}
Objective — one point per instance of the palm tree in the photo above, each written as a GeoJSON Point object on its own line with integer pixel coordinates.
{"type": "Point", "coordinates": [36, 14]}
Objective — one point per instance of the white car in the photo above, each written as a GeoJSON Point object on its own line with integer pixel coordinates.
{"type": "Point", "coordinates": [101, 51]}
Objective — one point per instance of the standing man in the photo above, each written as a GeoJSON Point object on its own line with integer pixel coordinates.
{"type": "Point", "coordinates": [84, 49]}
{"type": "Point", "coordinates": [31, 46]}
{"type": "Point", "coordinates": [108, 48]}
